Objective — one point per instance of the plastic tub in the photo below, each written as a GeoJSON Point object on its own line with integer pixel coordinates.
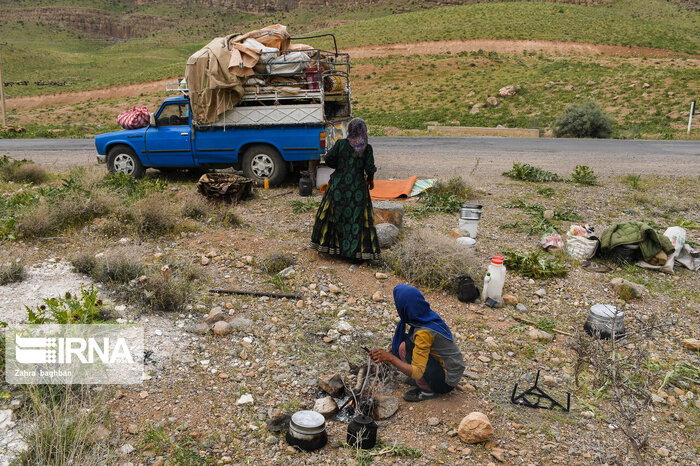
{"type": "Point", "coordinates": [323, 175]}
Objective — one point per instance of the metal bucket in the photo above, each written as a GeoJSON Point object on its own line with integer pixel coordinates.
{"type": "Point", "coordinates": [470, 211]}
{"type": "Point", "coordinates": [307, 431]}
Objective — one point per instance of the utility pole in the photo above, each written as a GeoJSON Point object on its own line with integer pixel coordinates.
{"type": "Point", "coordinates": [2, 93]}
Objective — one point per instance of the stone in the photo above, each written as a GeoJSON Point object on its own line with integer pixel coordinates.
{"type": "Point", "coordinates": [521, 307]}
{"type": "Point", "coordinates": [344, 327]}
{"type": "Point", "coordinates": [387, 234]}
{"type": "Point", "coordinates": [475, 109]}
{"type": "Point", "coordinates": [222, 328]}
{"type": "Point", "coordinates": [246, 399]}
{"type": "Point", "coordinates": [241, 323]}
{"type": "Point", "coordinates": [499, 454]}
{"type": "Point", "coordinates": [492, 101]}
{"type": "Point", "coordinates": [326, 406]}
{"type": "Point", "coordinates": [205, 260]}
{"type": "Point", "coordinates": [388, 212]}
{"type": "Point", "coordinates": [588, 414]}
{"type": "Point", "coordinates": [335, 289]}
{"type": "Point", "coordinates": [455, 233]}
{"type": "Point", "coordinates": [132, 429]}
{"type": "Point", "coordinates": [215, 315]}
{"type": "Point", "coordinates": [569, 88]}
{"type": "Point", "coordinates": [300, 304]}
{"type": "Point", "coordinates": [199, 329]}
{"type": "Point", "coordinates": [540, 293]}
{"type": "Point", "coordinates": [646, 85]}
{"type": "Point", "coordinates": [100, 434]}
{"type": "Point", "coordinates": [673, 115]}
{"type": "Point", "coordinates": [510, 300]}
{"type": "Point", "coordinates": [433, 421]}
{"type": "Point", "coordinates": [288, 272]}
{"type": "Point", "coordinates": [663, 451]}
{"type": "Point", "coordinates": [378, 296]}
{"type": "Point", "coordinates": [332, 384]}
{"type": "Point", "coordinates": [381, 276]}
{"type": "Point", "coordinates": [548, 214]}
{"type": "Point", "coordinates": [507, 91]}
{"type": "Point", "coordinates": [125, 449]}
{"type": "Point", "coordinates": [143, 395]}
{"type": "Point", "coordinates": [537, 334]}
{"type": "Point", "coordinates": [692, 344]}
{"type": "Point", "coordinates": [385, 406]}
{"type": "Point", "coordinates": [628, 290]}
{"type": "Point", "coordinates": [475, 428]}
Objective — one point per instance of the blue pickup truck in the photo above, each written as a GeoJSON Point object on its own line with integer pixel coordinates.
{"type": "Point", "coordinates": [271, 132]}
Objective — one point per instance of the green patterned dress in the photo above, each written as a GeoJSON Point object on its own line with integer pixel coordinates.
{"type": "Point", "coordinates": [345, 221]}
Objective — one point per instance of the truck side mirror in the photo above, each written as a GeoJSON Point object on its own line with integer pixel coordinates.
{"type": "Point", "coordinates": [153, 120]}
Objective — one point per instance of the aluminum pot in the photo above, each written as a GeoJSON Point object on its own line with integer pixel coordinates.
{"type": "Point", "coordinates": [307, 430]}
{"type": "Point", "coordinates": [470, 211]}
{"type": "Point", "coordinates": [603, 319]}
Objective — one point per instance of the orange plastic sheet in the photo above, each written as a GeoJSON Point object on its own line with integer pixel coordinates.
{"type": "Point", "coordinates": [392, 189]}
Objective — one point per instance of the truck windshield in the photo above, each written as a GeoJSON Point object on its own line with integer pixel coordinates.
{"type": "Point", "coordinates": [174, 115]}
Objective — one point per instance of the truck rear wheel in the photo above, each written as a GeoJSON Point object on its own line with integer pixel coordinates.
{"type": "Point", "coordinates": [261, 161]}
{"type": "Point", "coordinates": [123, 159]}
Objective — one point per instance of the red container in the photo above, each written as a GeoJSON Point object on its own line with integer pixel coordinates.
{"type": "Point", "coordinates": [313, 78]}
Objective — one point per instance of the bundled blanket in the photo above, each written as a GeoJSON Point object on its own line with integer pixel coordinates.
{"type": "Point", "coordinates": [649, 240]}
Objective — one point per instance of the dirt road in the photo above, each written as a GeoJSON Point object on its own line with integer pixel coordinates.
{"type": "Point", "coordinates": [406, 48]}
{"type": "Point", "coordinates": [399, 157]}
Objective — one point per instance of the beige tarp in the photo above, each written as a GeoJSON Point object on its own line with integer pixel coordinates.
{"type": "Point", "coordinates": [216, 73]}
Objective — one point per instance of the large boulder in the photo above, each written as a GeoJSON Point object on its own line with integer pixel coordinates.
{"type": "Point", "coordinates": [388, 212]}
{"type": "Point", "coordinates": [387, 234]}
{"type": "Point", "coordinates": [332, 384]}
{"type": "Point", "coordinates": [215, 315]}
{"type": "Point", "coordinates": [475, 428]}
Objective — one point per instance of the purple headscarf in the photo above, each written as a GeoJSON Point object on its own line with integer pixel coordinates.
{"type": "Point", "coordinates": [357, 135]}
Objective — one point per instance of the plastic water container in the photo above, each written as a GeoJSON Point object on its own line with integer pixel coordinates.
{"type": "Point", "coordinates": [494, 280]}
{"type": "Point", "coordinates": [323, 175]}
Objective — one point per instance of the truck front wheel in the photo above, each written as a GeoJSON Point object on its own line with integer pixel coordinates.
{"type": "Point", "coordinates": [123, 159]}
{"type": "Point", "coordinates": [260, 162]}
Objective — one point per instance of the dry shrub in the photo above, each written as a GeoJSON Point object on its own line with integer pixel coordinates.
{"type": "Point", "coordinates": [155, 214]}
{"type": "Point", "coordinates": [58, 214]}
{"type": "Point", "coordinates": [195, 206]}
{"type": "Point", "coordinates": [168, 293]}
{"type": "Point", "coordinates": [227, 217]}
{"type": "Point", "coordinates": [12, 273]}
{"type": "Point", "coordinates": [432, 260]}
{"type": "Point", "coordinates": [115, 268]}
{"type": "Point", "coordinates": [25, 173]}
{"type": "Point", "coordinates": [276, 262]}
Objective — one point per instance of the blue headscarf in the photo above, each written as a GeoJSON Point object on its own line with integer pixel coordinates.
{"type": "Point", "coordinates": [415, 311]}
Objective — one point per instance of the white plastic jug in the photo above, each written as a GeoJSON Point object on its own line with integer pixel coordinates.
{"type": "Point", "coordinates": [494, 280]}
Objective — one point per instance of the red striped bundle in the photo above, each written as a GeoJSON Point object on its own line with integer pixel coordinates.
{"type": "Point", "coordinates": [137, 117]}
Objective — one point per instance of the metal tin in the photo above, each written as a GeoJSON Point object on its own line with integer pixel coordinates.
{"type": "Point", "coordinates": [307, 430]}
{"type": "Point", "coordinates": [602, 319]}
{"type": "Point", "coordinates": [470, 211]}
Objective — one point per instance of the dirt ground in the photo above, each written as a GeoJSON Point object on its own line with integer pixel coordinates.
{"type": "Point", "coordinates": [277, 352]}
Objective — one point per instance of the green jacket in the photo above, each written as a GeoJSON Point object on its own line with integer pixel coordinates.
{"type": "Point", "coordinates": [649, 240]}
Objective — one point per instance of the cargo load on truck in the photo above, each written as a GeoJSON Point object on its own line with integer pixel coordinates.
{"type": "Point", "coordinates": [268, 77]}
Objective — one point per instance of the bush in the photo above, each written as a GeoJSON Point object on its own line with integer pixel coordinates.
{"type": "Point", "coordinates": [583, 121]}
{"type": "Point", "coordinates": [168, 294]}
{"type": "Point", "coordinates": [433, 261]}
{"type": "Point", "coordinates": [85, 308]}
{"type": "Point", "coordinates": [535, 264]}
{"type": "Point", "coordinates": [22, 171]}
{"type": "Point", "coordinates": [442, 197]}
{"type": "Point", "coordinates": [526, 172]}
{"type": "Point", "coordinates": [227, 217]}
{"type": "Point", "coordinates": [300, 207]}
{"type": "Point", "coordinates": [276, 262]}
{"type": "Point", "coordinates": [12, 273]}
{"type": "Point", "coordinates": [585, 175]}
{"type": "Point", "coordinates": [195, 206]}
{"type": "Point", "coordinates": [154, 215]}
{"type": "Point", "coordinates": [117, 269]}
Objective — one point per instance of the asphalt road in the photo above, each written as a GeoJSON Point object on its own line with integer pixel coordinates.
{"type": "Point", "coordinates": [446, 156]}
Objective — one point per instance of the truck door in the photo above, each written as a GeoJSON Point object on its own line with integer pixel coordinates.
{"type": "Point", "coordinates": [169, 143]}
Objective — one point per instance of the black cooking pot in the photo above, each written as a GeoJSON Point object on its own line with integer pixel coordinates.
{"type": "Point", "coordinates": [362, 432]}
{"type": "Point", "coordinates": [307, 430]}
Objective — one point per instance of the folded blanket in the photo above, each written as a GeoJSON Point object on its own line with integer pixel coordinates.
{"type": "Point", "coordinates": [649, 240]}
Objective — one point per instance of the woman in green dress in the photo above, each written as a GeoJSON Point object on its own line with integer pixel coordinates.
{"type": "Point", "coordinates": [345, 221]}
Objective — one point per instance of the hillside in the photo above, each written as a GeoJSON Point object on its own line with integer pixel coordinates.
{"type": "Point", "coordinates": [88, 44]}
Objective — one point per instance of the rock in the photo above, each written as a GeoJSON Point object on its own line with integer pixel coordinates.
{"type": "Point", "coordinates": [475, 109]}
{"type": "Point", "coordinates": [300, 303]}
{"type": "Point", "coordinates": [288, 272]}
{"type": "Point", "coordinates": [388, 212]}
{"type": "Point", "coordinates": [332, 384]}
{"type": "Point", "coordinates": [143, 394]}
{"type": "Point", "coordinates": [569, 88]}
{"type": "Point", "coordinates": [344, 327]}
{"type": "Point", "coordinates": [537, 334]}
{"type": "Point", "coordinates": [381, 276]}
{"type": "Point", "coordinates": [385, 406]}
{"type": "Point", "coordinates": [674, 115]}
{"type": "Point", "coordinates": [199, 329]}
{"type": "Point", "coordinates": [658, 400]}
{"type": "Point", "coordinates": [484, 359]}
{"type": "Point", "coordinates": [433, 421]}
{"type": "Point", "coordinates": [508, 91]}
{"type": "Point", "coordinates": [215, 315]}
{"type": "Point", "coordinates": [326, 406]}
{"type": "Point", "coordinates": [499, 454]}
{"type": "Point", "coordinates": [549, 380]}
{"type": "Point", "coordinates": [548, 214]}
{"type": "Point", "coordinates": [132, 429]}
{"type": "Point", "coordinates": [125, 449]}
{"type": "Point", "coordinates": [628, 290]}
{"type": "Point", "coordinates": [475, 428]}
{"type": "Point", "coordinates": [455, 233]}
{"type": "Point", "coordinates": [377, 296]}
{"type": "Point", "coordinates": [663, 451]}
{"type": "Point", "coordinates": [492, 101]}
{"type": "Point", "coordinates": [241, 323]}
{"type": "Point", "coordinates": [334, 289]}
{"type": "Point", "coordinates": [521, 307]}
{"type": "Point", "coordinates": [510, 299]}
{"type": "Point", "coordinates": [540, 293]}
{"type": "Point", "coordinates": [588, 414]}
{"type": "Point", "coordinates": [646, 85]}
{"type": "Point", "coordinates": [205, 260]}
{"type": "Point", "coordinates": [246, 399]}
{"type": "Point", "coordinates": [99, 434]}
{"type": "Point", "coordinates": [222, 328]}
{"type": "Point", "coordinates": [387, 234]}
{"type": "Point", "coordinates": [692, 344]}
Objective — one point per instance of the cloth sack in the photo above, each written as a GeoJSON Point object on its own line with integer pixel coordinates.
{"type": "Point", "coordinates": [683, 253]}
{"type": "Point", "coordinates": [581, 248]}
{"type": "Point", "coordinates": [137, 117]}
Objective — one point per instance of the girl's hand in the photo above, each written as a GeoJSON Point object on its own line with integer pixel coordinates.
{"type": "Point", "coordinates": [378, 356]}
{"type": "Point", "coordinates": [370, 183]}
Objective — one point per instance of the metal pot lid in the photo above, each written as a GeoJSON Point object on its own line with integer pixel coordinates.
{"type": "Point", "coordinates": [472, 206]}
{"type": "Point", "coordinates": [607, 311]}
{"type": "Point", "coordinates": [310, 420]}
